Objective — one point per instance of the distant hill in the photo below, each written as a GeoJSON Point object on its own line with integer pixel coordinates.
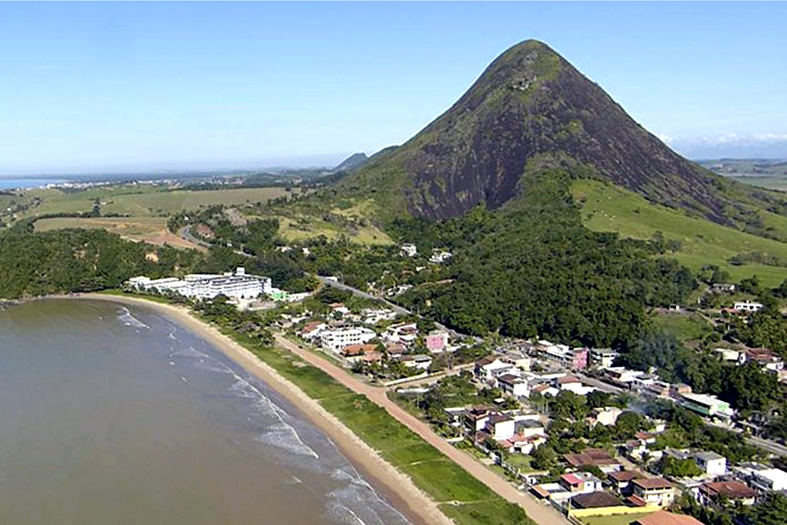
{"type": "Point", "coordinates": [356, 160]}
{"type": "Point", "coordinates": [531, 110]}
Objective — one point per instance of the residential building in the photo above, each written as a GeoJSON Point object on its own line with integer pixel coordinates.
{"type": "Point", "coordinates": [606, 416]}
{"type": "Point", "coordinates": [475, 418]}
{"type": "Point", "coordinates": [440, 256]}
{"type": "Point", "coordinates": [574, 358]}
{"type": "Point", "coordinates": [711, 463]}
{"type": "Point", "coordinates": [654, 491]}
{"type": "Point", "coordinates": [500, 426]}
{"type": "Point", "coordinates": [595, 500]}
{"type": "Point", "coordinates": [733, 491]}
{"type": "Point", "coordinates": [769, 479]}
{"type": "Point", "coordinates": [622, 375]}
{"type": "Point", "coordinates": [409, 250]}
{"type": "Point", "coordinates": [405, 333]}
{"type": "Point", "coordinates": [769, 361]}
{"type": "Point", "coordinates": [336, 339]}
{"type": "Point", "coordinates": [620, 480]}
{"type": "Point", "coordinates": [723, 288]}
{"type": "Point", "coordinates": [521, 444]}
{"type": "Point", "coordinates": [707, 405]}
{"type": "Point", "coordinates": [728, 354]}
{"type": "Point", "coordinates": [437, 341]}
{"type": "Point", "coordinates": [530, 428]}
{"type": "Point", "coordinates": [580, 482]}
{"type": "Point", "coordinates": [354, 353]}
{"type": "Point", "coordinates": [417, 361]}
{"type": "Point", "coordinates": [513, 385]}
{"type": "Point", "coordinates": [312, 330]}
{"type": "Point", "coordinates": [484, 368]}
{"type": "Point", "coordinates": [664, 517]}
{"type": "Point", "coordinates": [593, 457]}
{"type": "Point", "coordinates": [602, 357]}
{"type": "Point", "coordinates": [747, 306]}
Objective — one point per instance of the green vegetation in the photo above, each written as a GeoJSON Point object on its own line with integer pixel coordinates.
{"type": "Point", "coordinates": [460, 496]}
{"type": "Point", "coordinates": [33, 264]}
{"type": "Point", "coordinates": [697, 242]}
{"type": "Point", "coordinates": [534, 270]}
{"type": "Point", "coordinates": [746, 387]}
{"type": "Point", "coordinates": [683, 327]}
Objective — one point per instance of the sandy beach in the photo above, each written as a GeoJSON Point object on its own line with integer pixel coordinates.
{"type": "Point", "coordinates": [417, 505]}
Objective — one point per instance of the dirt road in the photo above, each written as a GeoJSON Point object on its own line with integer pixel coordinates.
{"type": "Point", "coordinates": [540, 513]}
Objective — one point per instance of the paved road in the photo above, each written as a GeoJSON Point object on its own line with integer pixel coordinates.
{"type": "Point", "coordinates": [540, 513]}
{"type": "Point", "coordinates": [185, 233]}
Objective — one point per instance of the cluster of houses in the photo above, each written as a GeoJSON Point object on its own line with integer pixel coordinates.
{"type": "Point", "coordinates": [513, 375]}
{"type": "Point", "coordinates": [361, 338]}
{"type": "Point", "coordinates": [620, 490]}
{"type": "Point", "coordinates": [438, 256]}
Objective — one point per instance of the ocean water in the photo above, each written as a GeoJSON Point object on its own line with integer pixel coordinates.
{"type": "Point", "coordinates": [8, 183]}
{"type": "Point", "coordinates": [116, 415]}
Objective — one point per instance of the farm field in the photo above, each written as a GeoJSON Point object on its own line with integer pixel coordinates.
{"type": "Point", "coordinates": [148, 229]}
{"type": "Point", "coordinates": [304, 227]}
{"type": "Point", "coordinates": [609, 208]}
{"type": "Point", "coordinates": [145, 201]}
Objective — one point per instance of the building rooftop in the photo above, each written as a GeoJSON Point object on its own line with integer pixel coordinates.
{"type": "Point", "coordinates": [731, 489]}
{"type": "Point", "coordinates": [590, 456]}
{"type": "Point", "coordinates": [624, 475]}
{"type": "Point", "coordinates": [708, 456]}
{"type": "Point", "coordinates": [664, 517]}
{"type": "Point", "coordinates": [594, 500]}
{"type": "Point", "coordinates": [652, 483]}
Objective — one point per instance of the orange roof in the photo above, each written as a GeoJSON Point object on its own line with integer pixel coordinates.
{"type": "Point", "coordinates": [571, 479]}
{"type": "Point", "coordinates": [664, 517]}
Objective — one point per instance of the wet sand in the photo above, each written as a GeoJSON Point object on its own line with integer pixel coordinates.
{"type": "Point", "coordinates": [398, 487]}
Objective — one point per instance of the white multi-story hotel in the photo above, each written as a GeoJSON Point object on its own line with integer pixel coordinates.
{"type": "Point", "coordinates": [336, 340]}
{"type": "Point", "coordinates": [208, 286]}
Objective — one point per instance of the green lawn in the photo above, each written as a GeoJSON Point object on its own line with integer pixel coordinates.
{"type": "Point", "coordinates": [606, 207]}
{"type": "Point", "coordinates": [683, 327]}
{"type": "Point", "coordinates": [619, 519]}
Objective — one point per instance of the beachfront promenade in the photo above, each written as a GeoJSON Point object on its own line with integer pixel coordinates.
{"type": "Point", "coordinates": [541, 514]}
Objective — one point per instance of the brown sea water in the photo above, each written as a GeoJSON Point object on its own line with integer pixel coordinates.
{"type": "Point", "coordinates": [116, 415]}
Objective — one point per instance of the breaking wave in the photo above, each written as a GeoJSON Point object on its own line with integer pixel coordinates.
{"type": "Point", "coordinates": [127, 319]}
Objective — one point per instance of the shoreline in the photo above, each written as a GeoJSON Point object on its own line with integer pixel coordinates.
{"type": "Point", "coordinates": [416, 505]}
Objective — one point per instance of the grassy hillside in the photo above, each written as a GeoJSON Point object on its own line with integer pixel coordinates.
{"type": "Point", "coordinates": [611, 208]}
{"type": "Point", "coordinates": [139, 201]}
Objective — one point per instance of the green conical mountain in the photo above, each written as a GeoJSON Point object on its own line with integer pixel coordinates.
{"type": "Point", "coordinates": [531, 109]}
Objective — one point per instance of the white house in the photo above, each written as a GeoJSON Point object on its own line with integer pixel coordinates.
{"type": "Point", "coordinates": [711, 463]}
{"type": "Point", "coordinates": [748, 306]}
{"type": "Point", "coordinates": [417, 361]}
{"type": "Point", "coordinates": [606, 416]}
{"type": "Point", "coordinates": [484, 368]}
{"type": "Point", "coordinates": [501, 426]}
{"type": "Point", "coordinates": [405, 333]}
{"type": "Point", "coordinates": [409, 250]}
{"type": "Point", "coordinates": [513, 385]}
{"type": "Point", "coordinates": [335, 340]}
{"type": "Point", "coordinates": [769, 479]}
{"type": "Point", "coordinates": [440, 256]}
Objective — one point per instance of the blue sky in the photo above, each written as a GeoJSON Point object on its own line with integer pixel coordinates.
{"type": "Point", "coordinates": [114, 86]}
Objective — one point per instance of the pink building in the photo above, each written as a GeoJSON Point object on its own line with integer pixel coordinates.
{"type": "Point", "coordinates": [579, 359]}
{"type": "Point", "coordinates": [437, 341]}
